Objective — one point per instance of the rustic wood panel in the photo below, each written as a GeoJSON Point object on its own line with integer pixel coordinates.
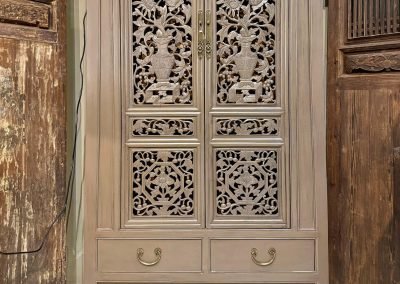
{"type": "Point", "coordinates": [363, 171]}
{"type": "Point", "coordinates": [362, 195]}
{"type": "Point", "coordinates": [32, 155]}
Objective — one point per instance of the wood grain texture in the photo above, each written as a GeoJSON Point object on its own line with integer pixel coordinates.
{"type": "Point", "coordinates": [363, 171]}
{"type": "Point", "coordinates": [32, 159]}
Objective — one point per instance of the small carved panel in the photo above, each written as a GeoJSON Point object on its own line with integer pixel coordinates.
{"type": "Point", "coordinates": [162, 127]}
{"type": "Point", "coordinates": [372, 62]}
{"type": "Point", "coordinates": [247, 183]}
{"type": "Point", "coordinates": [163, 183]}
{"type": "Point", "coordinates": [246, 34]}
{"type": "Point", "coordinates": [25, 13]}
{"type": "Point", "coordinates": [162, 52]}
{"type": "Point", "coordinates": [247, 126]}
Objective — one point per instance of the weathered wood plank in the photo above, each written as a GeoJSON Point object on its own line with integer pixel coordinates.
{"type": "Point", "coordinates": [32, 156]}
{"type": "Point", "coordinates": [363, 171]}
{"type": "Point", "coordinates": [396, 182]}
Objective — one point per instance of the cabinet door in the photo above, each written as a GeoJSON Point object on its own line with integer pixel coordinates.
{"type": "Point", "coordinates": [246, 108]}
{"type": "Point", "coordinates": [163, 115]}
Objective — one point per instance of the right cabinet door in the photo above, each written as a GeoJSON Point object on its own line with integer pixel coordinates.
{"type": "Point", "coordinates": [246, 109]}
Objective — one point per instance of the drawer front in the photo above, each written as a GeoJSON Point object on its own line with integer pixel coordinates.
{"type": "Point", "coordinates": [175, 256]}
{"type": "Point", "coordinates": [236, 255]}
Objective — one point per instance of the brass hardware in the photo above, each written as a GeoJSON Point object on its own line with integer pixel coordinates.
{"type": "Point", "coordinates": [271, 252]}
{"type": "Point", "coordinates": [208, 34]}
{"type": "Point", "coordinates": [140, 253]}
{"type": "Point", "coordinates": [200, 47]}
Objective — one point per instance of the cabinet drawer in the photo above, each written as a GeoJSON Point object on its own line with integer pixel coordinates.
{"type": "Point", "coordinates": [236, 255]}
{"type": "Point", "coordinates": [175, 255]}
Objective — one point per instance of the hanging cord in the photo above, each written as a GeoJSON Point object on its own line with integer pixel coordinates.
{"type": "Point", "coordinates": [68, 199]}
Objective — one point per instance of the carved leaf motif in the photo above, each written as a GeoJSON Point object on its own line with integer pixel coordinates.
{"type": "Point", "coordinates": [162, 127]}
{"type": "Point", "coordinates": [244, 126]}
{"type": "Point", "coordinates": [373, 62]}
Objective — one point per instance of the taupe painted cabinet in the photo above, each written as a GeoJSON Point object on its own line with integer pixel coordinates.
{"type": "Point", "coordinates": [205, 142]}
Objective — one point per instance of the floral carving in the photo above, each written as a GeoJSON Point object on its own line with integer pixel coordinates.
{"type": "Point", "coordinates": [247, 183]}
{"type": "Point", "coordinates": [163, 183]}
{"type": "Point", "coordinates": [162, 127]}
{"type": "Point", "coordinates": [252, 126]}
{"type": "Point", "coordinates": [246, 33]}
{"type": "Point", "coordinates": [162, 52]}
{"type": "Point", "coordinates": [373, 62]}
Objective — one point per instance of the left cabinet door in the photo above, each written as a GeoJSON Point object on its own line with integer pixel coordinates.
{"type": "Point", "coordinates": [163, 114]}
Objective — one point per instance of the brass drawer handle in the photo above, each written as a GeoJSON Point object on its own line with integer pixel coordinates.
{"type": "Point", "coordinates": [140, 253]}
{"type": "Point", "coordinates": [271, 252]}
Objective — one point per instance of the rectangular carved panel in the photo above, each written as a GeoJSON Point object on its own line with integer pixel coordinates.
{"type": "Point", "coordinates": [164, 183]}
{"type": "Point", "coordinates": [374, 62]}
{"type": "Point", "coordinates": [153, 127]}
{"type": "Point", "coordinates": [246, 35]}
{"type": "Point", "coordinates": [25, 13]}
{"type": "Point", "coordinates": [247, 126]}
{"type": "Point", "coordinates": [247, 182]}
{"type": "Point", "coordinates": [162, 53]}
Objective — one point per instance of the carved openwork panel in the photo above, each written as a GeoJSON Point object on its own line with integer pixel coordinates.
{"type": "Point", "coordinates": [247, 183]}
{"type": "Point", "coordinates": [247, 126]}
{"type": "Point", "coordinates": [162, 127]}
{"type": "Point", "coordinates": [246, 52]}
{"type": "Point", "coordinates": [163, 183]}
{"type": "Point", "coordinates": [162, 52]}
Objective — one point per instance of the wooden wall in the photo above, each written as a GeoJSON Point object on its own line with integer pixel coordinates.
{"type": "Point", "coordinates": [363, 143]}
{"type": "Point", "coordinates": [32, 139]}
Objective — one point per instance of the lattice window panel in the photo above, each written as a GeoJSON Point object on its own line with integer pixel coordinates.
{"type": "Point", "coordinates": [367, 18]}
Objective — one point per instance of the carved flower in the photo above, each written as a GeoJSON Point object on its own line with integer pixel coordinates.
{"type": "Point", "coordinates": [230, 5]}
{"type": "Point", "coordinates": [163, 180]}
{"type": "Point", "coordinates": [255, 2]}
{"type": "Point", "coordinates": [174, 3]}
{"type": "Point", "coordinates": [246, 178]}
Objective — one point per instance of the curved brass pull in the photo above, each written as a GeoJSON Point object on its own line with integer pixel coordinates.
{"type": "Point", "coordinates": [208, 34]}
{"type": "Point", "coordinates": [200, 47]}
{"type": "Point", "coordinates": [140, 253]}
{"type": "Point", "coordinates": [271, 252]}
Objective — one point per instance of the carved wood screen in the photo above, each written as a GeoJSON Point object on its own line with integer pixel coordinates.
{"type": "Point", "coordinates": [193, 134]}
{"type": "Point", "coordinates": [205, 116]}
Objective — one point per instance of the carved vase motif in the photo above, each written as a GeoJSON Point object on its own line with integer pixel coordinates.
{"type": "Point", "coordinates": [246, 33]}
{"type": "Point", "coordinates": [245, 91]}
{"type": "Point", "coordinates": [245, 60]}
{"type": "Point", "coordinates": [162, 61]}
{"type": "Point", "coordinates": [162, 92]}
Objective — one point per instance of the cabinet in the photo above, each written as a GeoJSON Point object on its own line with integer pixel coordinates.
{"type": "Point", "coordinates": [205, 142]}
